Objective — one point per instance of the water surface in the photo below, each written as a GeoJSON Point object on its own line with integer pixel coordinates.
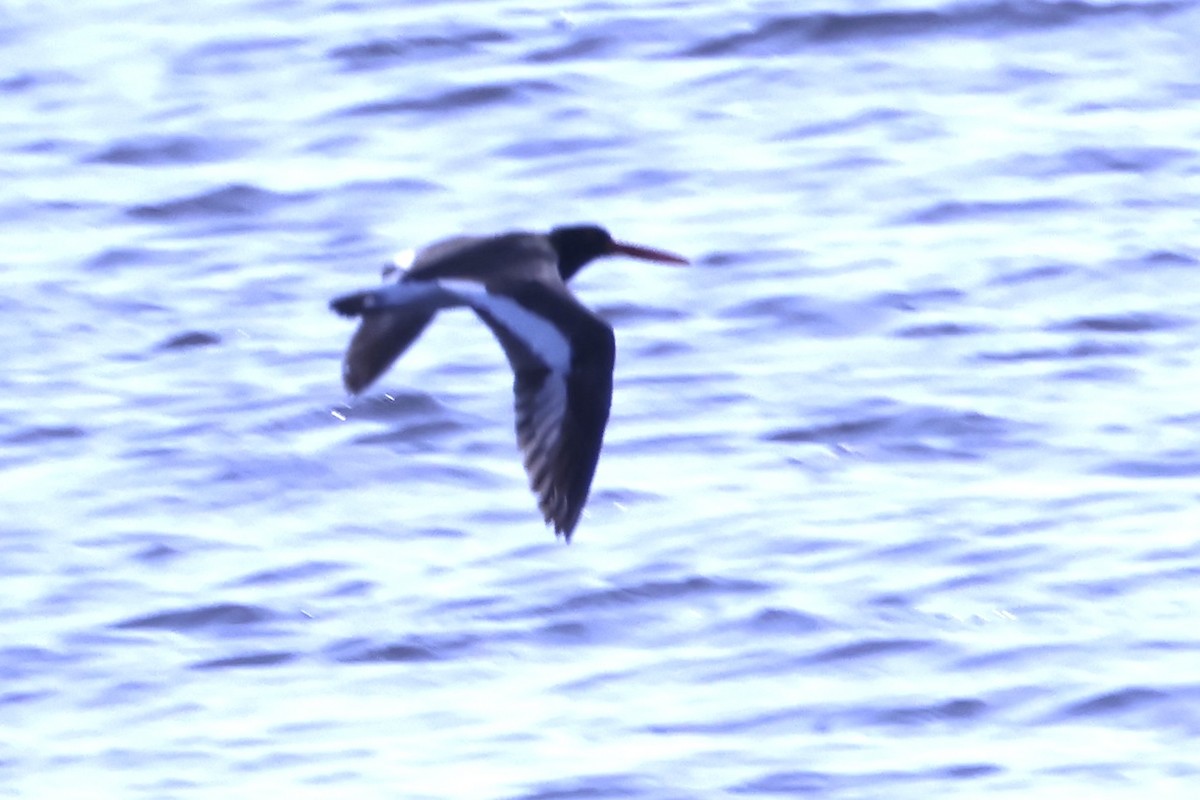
{"type": "Point", "coordinates": [898, 494]}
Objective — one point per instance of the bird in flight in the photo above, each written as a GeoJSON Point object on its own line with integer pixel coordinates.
{"type": "Point", "coordinates": [560, 352]}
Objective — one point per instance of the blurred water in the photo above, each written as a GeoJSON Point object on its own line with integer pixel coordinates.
{"type": "Point", "coordinates": [898, 492]}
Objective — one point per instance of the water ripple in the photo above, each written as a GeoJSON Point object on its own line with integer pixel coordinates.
{"type": "Point", "coordinates": [384, 52]}
{"type": "Point", "coordinates": [777, 35]}
{"type": "Point", "coordinates": [235, 200]}
{"type": "Point", "coordinates": [213, 616]}
{"type": "Point", "coordinates": [469, 98]}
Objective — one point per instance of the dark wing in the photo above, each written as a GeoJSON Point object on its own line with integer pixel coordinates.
{"type": "Point", "coordinates": [563, 391]}
{"type": "Point", "coordinates": [380, 339]}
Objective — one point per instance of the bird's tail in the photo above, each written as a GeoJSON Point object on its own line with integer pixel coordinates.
{"type": "Point", "coordinates": [352, 305]}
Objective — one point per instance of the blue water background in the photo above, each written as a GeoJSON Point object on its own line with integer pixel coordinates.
{"type": "Point", "coordinates": [899, 491]}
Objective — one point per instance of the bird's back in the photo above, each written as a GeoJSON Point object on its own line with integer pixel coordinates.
{"type": "Point", "coordinates": [490, 260]}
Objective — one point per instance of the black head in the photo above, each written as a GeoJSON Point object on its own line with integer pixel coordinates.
{"type": "Point", "coordinates": [577, 245]}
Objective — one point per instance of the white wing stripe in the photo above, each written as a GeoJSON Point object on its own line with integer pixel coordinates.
{"type": "Point", "coordinates": [546, 341]}
{"type": "Point", "coordinates": [408, 294]}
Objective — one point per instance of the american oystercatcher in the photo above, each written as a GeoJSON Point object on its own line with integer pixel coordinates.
{"type": "Point", "coordinates": [561, 353]}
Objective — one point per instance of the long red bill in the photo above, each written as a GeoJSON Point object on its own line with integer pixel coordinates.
{"type": "Point", "coordinates": [647, 253]}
